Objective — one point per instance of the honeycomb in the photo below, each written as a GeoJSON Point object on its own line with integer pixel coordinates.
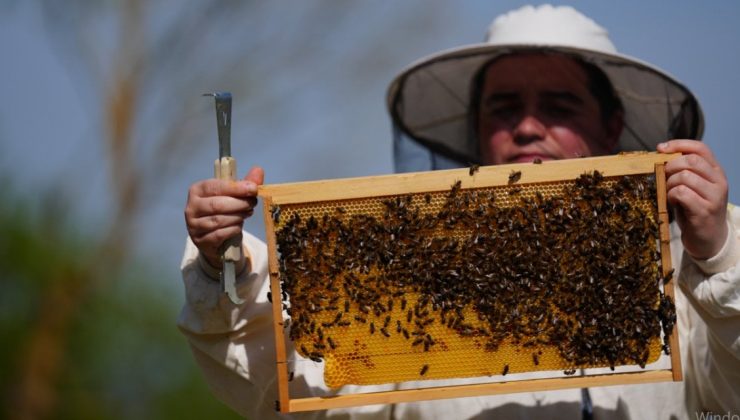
{"type": "Point", "coordinates": [476, 282]}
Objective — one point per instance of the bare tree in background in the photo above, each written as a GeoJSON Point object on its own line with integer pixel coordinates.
{"type": "Point", "coordinates": [141, 67]}
{"type": "Point", "coordinates": [138, 82]}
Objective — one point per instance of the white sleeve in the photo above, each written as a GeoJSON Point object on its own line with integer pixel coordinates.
{"type": "Point", "coordinates": [233, 346]}
{"type": "Point", "coordinates": [712, 287]}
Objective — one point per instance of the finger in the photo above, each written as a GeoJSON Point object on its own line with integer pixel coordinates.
{"type": "Point", "coordinates": [696, 164]}
{"type": "Point", "coordinates": [203, 225]}
{"type": "Point", "coordinates": [219, 205]}
{"type": "Point", "coordinates": [256, 175]}
{"type": "Point", "coordinates": [687, 199]}
{"type": "Point", "coordinates": [694, 182]}
{"type": "Point", "coordinates": [697, 221]}
{"type": "Point", "coordinates": [688, 147]}
{"type": "Point", "coordinates": [203, 207]}
{"type": "Point", "coordinates": [219, 187]}
{"type": "Point", "coordinates": [217, 237]}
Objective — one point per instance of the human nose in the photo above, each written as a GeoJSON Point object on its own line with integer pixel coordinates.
{"type": "Point", "coordinates": [528, 129]}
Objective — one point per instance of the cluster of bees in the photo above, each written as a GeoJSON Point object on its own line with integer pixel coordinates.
{"type": "Point", "coordinates": [578, 270]}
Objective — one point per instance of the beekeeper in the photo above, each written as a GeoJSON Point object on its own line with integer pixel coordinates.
{"type": "Point", "coordinates": [546, 84]}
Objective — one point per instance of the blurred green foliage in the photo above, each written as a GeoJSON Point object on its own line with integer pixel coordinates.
{"type": "Point", "coordinates": [121, 354]}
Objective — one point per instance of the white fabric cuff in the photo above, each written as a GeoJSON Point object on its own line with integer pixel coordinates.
{"type": "Point", "coordinates": [213, 273]}
{"type": "Point", "coordinates": [726, 258]}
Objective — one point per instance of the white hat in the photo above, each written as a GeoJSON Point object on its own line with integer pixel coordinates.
{"type": "Point", "coordinates": [430, 100]}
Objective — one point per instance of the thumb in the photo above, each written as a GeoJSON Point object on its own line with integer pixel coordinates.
{"type": "Point", "coordinates": [256, 175]}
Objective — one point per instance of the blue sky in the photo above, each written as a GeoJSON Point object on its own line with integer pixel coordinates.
{"type": "Point", "coordinates": [336, 124]}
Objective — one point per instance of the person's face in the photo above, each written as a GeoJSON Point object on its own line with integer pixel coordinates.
{"type": "Point", "coordinates": [539, 107]}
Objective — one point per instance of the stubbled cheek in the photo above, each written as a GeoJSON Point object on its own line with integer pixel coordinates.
{"type": "Point", "coordinates": [569, 144]}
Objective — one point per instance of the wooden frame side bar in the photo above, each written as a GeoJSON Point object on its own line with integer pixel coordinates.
{"type": "Point", "coordinates": [472, 390]}
{"type": "Point", "coordinates": [665, 253]}
{"type": "Point", "coordinates": [487, 176]}
{"type": "Point", "coordinates": [277, 310]}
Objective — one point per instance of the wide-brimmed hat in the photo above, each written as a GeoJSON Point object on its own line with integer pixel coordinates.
{"type": "Point", "coordinates": [430, 100]}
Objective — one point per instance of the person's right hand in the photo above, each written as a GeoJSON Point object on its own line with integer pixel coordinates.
{"type": "Point", "coordinates": [216, 209]}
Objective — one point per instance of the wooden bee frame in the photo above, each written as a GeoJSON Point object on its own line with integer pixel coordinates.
{"type": "Point", "coordinates": [491, 176]}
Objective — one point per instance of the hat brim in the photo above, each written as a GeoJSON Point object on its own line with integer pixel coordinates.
{"type": "Point", "coordinates": [430, 100]}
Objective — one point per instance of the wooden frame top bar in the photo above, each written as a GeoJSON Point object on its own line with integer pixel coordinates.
{"type": "Point", "coordinates": [486, 176]}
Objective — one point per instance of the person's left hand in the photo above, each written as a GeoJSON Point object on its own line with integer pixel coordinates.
{"type": "Point", "coordinates": [697, 186]}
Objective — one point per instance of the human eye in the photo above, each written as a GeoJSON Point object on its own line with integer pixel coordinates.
{"type": "Point", "coordinates": [502, 110]}
{"type": "Point", "coordinates": [559, 109]}
{"type": "Point", "coordinates": [561, 104]}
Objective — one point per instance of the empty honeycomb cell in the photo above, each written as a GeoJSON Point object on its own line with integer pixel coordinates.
{"type": "Point", "coordinates": [475, 282]}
